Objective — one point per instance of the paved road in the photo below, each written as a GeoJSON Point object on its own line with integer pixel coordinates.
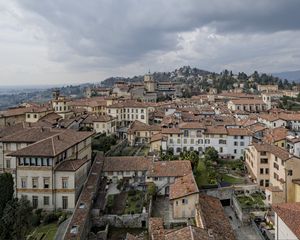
{"type": "Point", "coordinates": [62, 229]}
{"type": "Point", "coordinates": [241, 232]}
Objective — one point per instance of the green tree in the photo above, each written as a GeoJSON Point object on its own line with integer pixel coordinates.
{"type": "Point", "coordinates": [16, 220]}
{"type": "Point", "coordinates": [192, 156]}
{"type": "Point", "coordinates": [6, 190]}
{"type": "Point", "coordinates": [211, 154]}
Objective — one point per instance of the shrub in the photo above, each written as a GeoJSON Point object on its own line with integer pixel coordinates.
{"type": "Point", "coordinates": [35, 220]}
{"type": "Point", "coordinates": [131, 192]}
{"type": "Point", "coordinates": [49, 218]}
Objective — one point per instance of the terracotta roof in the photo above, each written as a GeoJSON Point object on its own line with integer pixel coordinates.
{"type": "Point", "coordinates": [130, 104]}
{"type": "Point", "coordinates": [269, 117]}
{"type": "Point", "coordinates": [71, 165]}
{"type": "Point", "coordinates": [55, 145]}
{"type": "Point", "coordinates": [140, 126]}
{"type": "Point", "coordinates": [188, 233]}
{"type": "Point", "coordinates": [275, 134]}
{"type": "Point", "coordinates": [9, 130]}
{"type": "Point", "coordinates": [157, 137]}
{"type": "Point", "coordinates": [112, 164]}
{"type": "Point", "coordinates": [238, 132]}
{"type": "Point", "coordinates": [31, 135]}
{"type": "Point", "coordinates": [277, 151]}
{"type": "Point", "coordinates": [296, 181]}
{"type": "Point", "coordinates": [290, 117]}
{"type": "Point", "coordinates": [191, 125]}
{"type": "Point", "coordinates": [213, 217]}
{"type": "Point", "coordinates": [81, 216]}
{"type": "Point", "coordinates": [290, 215]}
{"type": "Point", "coordinates": [274, 189]}
{"type": "Point", "coordinates": [170, 131]}
{"type": "Point", "coordinates": [247, 101]}
{"type": "Point", "coordinates": [176, 168]}
{"type": "Point", "coordinates": [183, 186]}
{"type": "Point", "coordinates": [15, 111]}
{"type": "Point", "coordinates": [216, 130]}
{"type": "Point", "coordinates": [156, 228]}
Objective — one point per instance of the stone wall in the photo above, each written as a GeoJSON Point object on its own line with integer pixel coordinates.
{"type": "Point", "coordinates": [122, 221]}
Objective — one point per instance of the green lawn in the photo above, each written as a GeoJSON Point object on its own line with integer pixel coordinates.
{"type": "Point", "coordinates": [134, 203]}
{"type": "Point", "coordinates": [231, 179]}
{"type": "Point", "coordinates": [255, 199]}
{"type": "Point", "coordinates": [45, 232]}
{"type": "Point", "coordinates": [201, 175]}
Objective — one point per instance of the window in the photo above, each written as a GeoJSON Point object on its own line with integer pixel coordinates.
{"type": "Point", "coordinates": [290, 172]}
{"type": "Point", "coordinates": [176, 203]}
{"type": "Point", "coordinates": [35, 182]}
{"type": "Point", "coordinates": [222, 141]}
{"type": "Point", "coordinates": [276, 159]}
{"type": "Point", "coordinates": [242, 137]}
{"type": "Point", "coordinates": [46, 182]}
{"type": "Point", "coordinates": [142, 110]}
{"type": "Point", "coordinates": [276, 176]}
{"type": "Point", "coordinates": [235, 137]}
{"type": "Point", "coordinates": [221, 150]}
{"type": "Point", "coordinates": [261, 182]}
{"type": "Point", "coordinates": [234, 151]}
{"type": "Point", "coordinates": [192, 141]}
{"type": "Point", "coordinates": [7, 163]}
{"type": "Point", "coordinates": [178, 141]}
{"type": "Point", "coordinates": [282, 162]}
{"type": "Point", "coordinates": [23, 182]}
{"type": "Point", "coordinates": [263, 160]}
{"type": "Point", "coordinates": [185, 133]}
{"type": "Point", "coordinates": [276, 166]}
{"type": "Point", "coordinates": [263, 153]}
{"type": "Point", "coordinates": [46, 200]}
{"type": "Point", "coordinates": [267, 171]}
{"type": "Point", "coordinates": [261, 171]}
{"type": "Point", "coordinates": [64, 202]}
{"type": "Point", "coordinates": [142, 117]}
{"type": "Point", "coordinates": [184, 201]}
{"type": "Point", "coordinates": [35, 201]}
{"type": "Point", "coordinates": [64, 182]}
{"type": "Point", "coordinates": [267, 183]}
{"type": "Point", "coordinates": [242, 143]}
{"type": "Point", "coordinates": [185, 141]}
{"type": "Point", "coordinates": [235, 143]}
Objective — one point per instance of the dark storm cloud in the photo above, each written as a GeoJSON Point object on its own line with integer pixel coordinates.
{"type": "Point", "coordinates": [122, 31]}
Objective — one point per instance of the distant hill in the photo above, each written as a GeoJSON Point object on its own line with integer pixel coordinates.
{"type": "Point", "coordinates": [291, 75]}
{"type": "Point", "coordinates": [176, 75]}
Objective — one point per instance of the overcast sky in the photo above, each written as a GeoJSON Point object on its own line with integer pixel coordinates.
{"type": "Point", "coordinates": [72, 41]}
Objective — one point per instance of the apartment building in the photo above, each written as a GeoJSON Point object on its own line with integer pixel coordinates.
{"type": "Point", "coordinates": [100, 123]}
{"type": "Point", "coordinates": [18, 140]}
{"type": "Point", "coordinates": [267, 88]}
{"type": "Point", "coordinates": [13, 116]}
{"type": "Point", "coordinates": [248, 105]}
{"type": "Point", "coordinates": [274, 170]}
{"type": "Point", "coordinates": [51, 172]}
{"type": "Point", "coordinates": [35, 114]}
{"type": "Point", "coordinates": [164, 173]}
{"type": "Point", "coordinates": [194, 136]}
{"type": "Point", "coordinates": [61, 105]}
{"type": "Point", "coordinates": [141, 133]}
{"type": "Point", "coordinates": [184, 196]}
{"type": "Point", "coordinates": [128, 111]}
{"type": "Point", "coordinates": [271, 120]}
{"type": "Point", "coordinates": [96, 105]}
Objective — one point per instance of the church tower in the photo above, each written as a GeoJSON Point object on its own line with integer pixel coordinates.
{"type": "Point", "coordinates": [149, 83]}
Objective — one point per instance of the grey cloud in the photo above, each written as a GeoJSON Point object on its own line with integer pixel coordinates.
{"type": "Point", "coordinates": [125, 31]}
